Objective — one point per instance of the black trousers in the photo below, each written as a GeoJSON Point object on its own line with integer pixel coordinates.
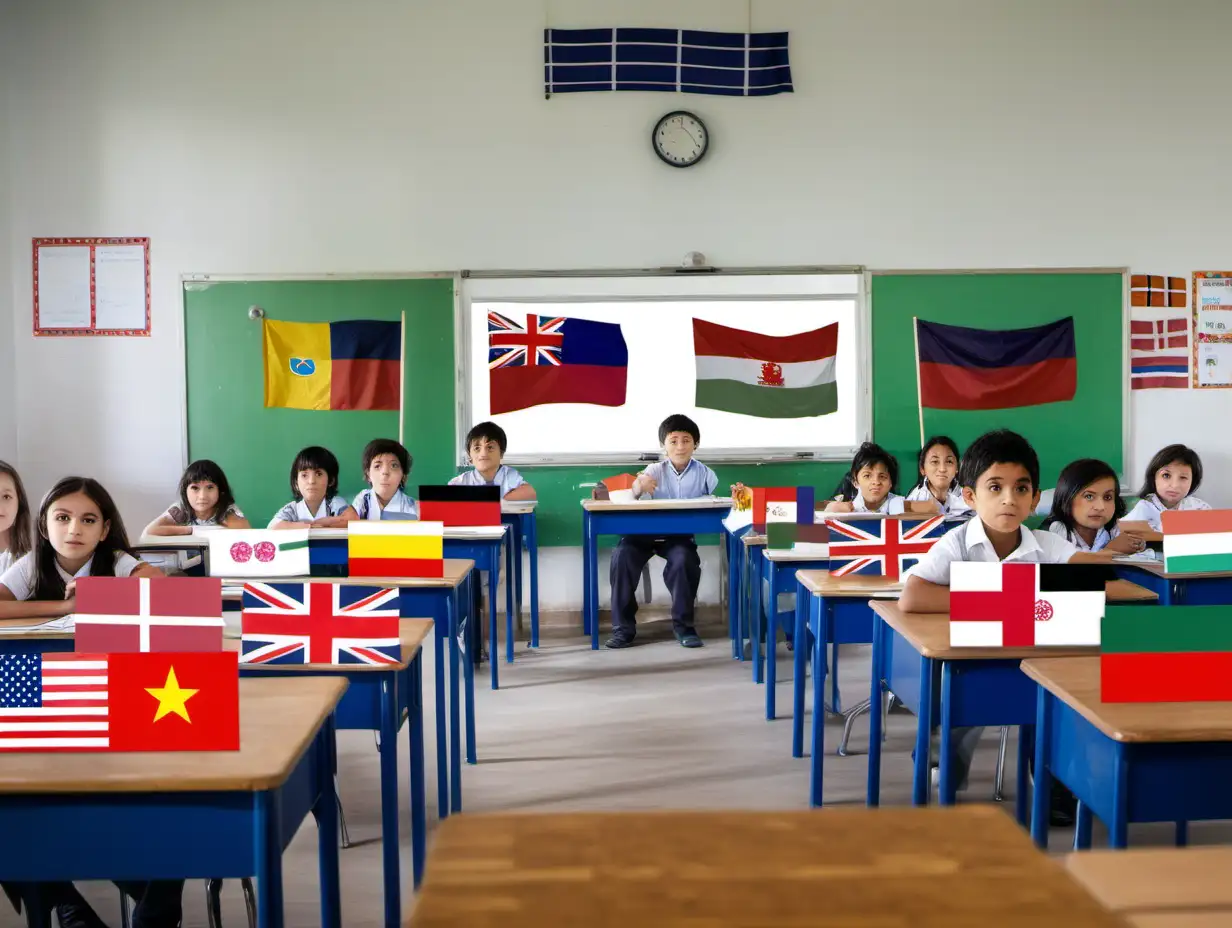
{"type": "Point", "coordinates": [681, 576]}
{"type": "Point", "coordinates": [157, 904]}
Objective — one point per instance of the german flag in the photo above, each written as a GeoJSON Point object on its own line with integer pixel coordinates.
{"type": "Point", "coordinates": [1166, 654]}
{"type": "Point", "coordinates": [459, 505]}
{"type": "Point", "coordinates": [396, 549]}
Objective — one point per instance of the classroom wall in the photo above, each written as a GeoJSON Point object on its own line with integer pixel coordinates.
{"type": "Point", "coordinates": [303, 137]}
{"type": "Point", "coordinates": [8, 411]}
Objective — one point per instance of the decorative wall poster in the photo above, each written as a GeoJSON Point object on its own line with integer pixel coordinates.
{"type": "Point", "coordinates": [259, 553]}
{"type": "Point", "coordinates": [320, 623]}
{"type": "Point", "coordinates": [1017, 605]}
{"type": "Point", "coordinates": [738, 64]}
{"type": "Point", "coordinates": [153, 701]}
{"type": "Point", "coordinates": [1157, 291]}
{"type": "Point", "coordinates": [396, 549]}
{"type": "Point", "coordinates": [459, 505]}
{"type": "Point", "coordinates": [1166, 654]}
{"type": "Point", "coordinates": [1212, 315]}
{"type": "Point", "coordinates": [881, 547]}
{"type": "Point", "coordinates": [91, 286]}
{"type": "Point", "coordinates": [1159, 350]}
{"type": "Point", "coordinates": [121, 614]}
{"type": "Point", "coordinates": [553, 359]}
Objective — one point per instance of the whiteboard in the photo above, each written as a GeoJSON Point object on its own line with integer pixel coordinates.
{"type": "Point", "coordinates": [656, 316]}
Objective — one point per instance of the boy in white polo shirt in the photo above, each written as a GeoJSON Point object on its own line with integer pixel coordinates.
{"type": "Point", "coordinates": [999, 477]}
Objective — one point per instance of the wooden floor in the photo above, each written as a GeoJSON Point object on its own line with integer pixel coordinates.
{"type": "Point", "coordinates": [651, 727]}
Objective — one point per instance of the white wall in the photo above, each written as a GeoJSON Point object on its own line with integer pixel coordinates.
{"type": "Point", "coordinates": [8, 411]}
{"type": "Point", "coordinates": [383, 135]}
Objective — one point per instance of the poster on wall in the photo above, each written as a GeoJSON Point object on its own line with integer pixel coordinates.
{"type": "Point", "coordinates": [1212, 321]}
{"type": "Point", "coordinates": [1159, 333]}
{"type": "Point", "coordinates": [91, 286]}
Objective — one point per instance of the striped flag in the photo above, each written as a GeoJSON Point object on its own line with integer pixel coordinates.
{"type": "Point", "coordinates": [1197, 540]}
{"type": "Point", "coordinates": [1154, 290]}
{"type": "Point", "coordinates": [319, 623]}
{"type": "Point", "coordinates": [460, 505]}
{"type": "Point", "coordinates": [1018, 605]}
{"type": "Point", "coordinates": [53, 702]}
{"type": "Point", "coordinates": [1159, 353]}
{"type": "Point", "coordinates": [881, 547]}
{"type": "Point", "coordinates": [1166, 654]}
{"type": "Point", "coordinates": [768, 376]}
{"type": "Point", "coordinates": [396, 549]}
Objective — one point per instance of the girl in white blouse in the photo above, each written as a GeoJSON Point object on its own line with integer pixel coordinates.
{"type": "Point", "coordinates": [1173, 474]}
{"type": "Point", "coordinates": [14, 517]}
{"type": "Point", "coordinates": [1086, 507]}
{"type": "Point", "coordinates": [869, 485]}
{"type": "Point", "coordinates": [938, 467]}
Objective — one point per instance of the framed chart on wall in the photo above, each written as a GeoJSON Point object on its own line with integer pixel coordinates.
{"type": "Point", "coordinates": [91, 286]}
{"type": "Point", "coordinates": [1212, 346]}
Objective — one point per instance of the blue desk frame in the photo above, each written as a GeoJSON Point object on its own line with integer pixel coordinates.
{"type": "Point", "coordinates": [486, 553]}
{"type": "Point", "coordinates": [524, 528]}
{"type": "Point", "coordinates": [173, 836]}
{"type": "Point", "coordinates": [780, 577]}
{"type": "Point", "coordinates": [733, 544]}
{"type": "Point", "coordinates": [655, 522]}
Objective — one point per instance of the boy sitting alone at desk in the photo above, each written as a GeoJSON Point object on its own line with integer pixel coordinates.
{"type": "Point", "coordinates": [999, 476]}
{"type": "Point", "coordinates": [681, 476]}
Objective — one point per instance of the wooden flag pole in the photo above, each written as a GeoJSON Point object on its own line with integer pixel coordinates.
{"type": "Point", "coordinates": [919, 395]}
{"type": "Point", "coordinates": [402, 380]}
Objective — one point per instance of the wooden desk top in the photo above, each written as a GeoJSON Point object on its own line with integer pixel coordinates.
{"type": "Point", "coordinates": [857, 586]}
{"type": "Point", "coordinates": [1157, 568]}
{"type": "Point", "coordinates": [456, 570]}
{"type": "Point", "coordinates": [930, 633]}
{"type": "Point", "coordinates": [841, 867]}
{"type": "Point", "coordinates": [753, 541]}
{"type": "Point", "coordinates": [1158, 883]}
{"type": "Point", "coordinates": [522, 506]}
{"type": "Point", "coordinates": [1076, 681]}
{"type": "Point", "coordinates": [278, 720]}
{"type": "Point", "coordinates": [645, 505]}
{"type": "Point", "coordinates": [787, 555]}
{"type": "Point", "coordinates": [172, 541]}
{"type": "Point", "coordinates": [412, 631]}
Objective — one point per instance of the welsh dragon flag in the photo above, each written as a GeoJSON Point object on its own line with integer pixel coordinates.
{"type": "Point", "coordinates": [768, 376]}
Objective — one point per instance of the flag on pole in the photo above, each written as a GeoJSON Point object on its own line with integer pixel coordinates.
{"type": "Point", "coordinates": [396, 549]}
{"type": "Point", "coordinates": [119, 614]}
{"type": "Point", "coordinates": [259, 553]}
{"type": "Point", "coordinates": [320, 623]}
{"type": "Point", "coordinates": [1166, 654]}
{"type": "Point", "coordinates": [333, 365]}
{"type": "Point", "coordinates": [1019, 605]}
{"type": "Point", "coordinates": [768, 376]}
{"type": "Point", "coordinates": [881, 547]}
{"type": "Point", "coordinates": [1197, 540]}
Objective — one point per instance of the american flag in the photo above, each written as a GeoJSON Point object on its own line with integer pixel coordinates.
{"type": "Point", "coordinates": [53, 702]}
{"type": "Point", "coordinates": [881, 547]}
{"type": "Point", "coordinates": [319, 623]}
{"type": "Point", "coordinates": [537, 342]}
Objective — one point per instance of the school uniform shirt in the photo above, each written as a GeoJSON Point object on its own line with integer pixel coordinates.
{"type": "Point", "coordinates": [1150, 508]}
{"type": "Point", "coordinates": [892, 505]}
{"type": "Point", "coordinates": [20, 577]}
{"type": "Point", "coordinates": [177, 514]}
{"type": "Point", "coordinates": [6, 561]}
{"type": "Point", "coordinates": [970, 543]}
{"type": "Point", "coordinates": [695, 480]}
{"type": "Point", "coordinates": [369, 506]}
{"type": "Point", "coordinates": [1102, 537]}
{"type": "Point", "coordinates": [506, 478]}
{"type": "Point", "coordinates": [953, 505]}
{"type": "Point", "coordinates": [297, 510]}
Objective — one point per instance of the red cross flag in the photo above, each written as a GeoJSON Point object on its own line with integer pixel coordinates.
{"type": "Point", "coordinates": [1020, 605]}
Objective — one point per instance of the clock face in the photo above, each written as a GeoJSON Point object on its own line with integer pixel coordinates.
{"type": "Point", "coordinates": [680, 139]}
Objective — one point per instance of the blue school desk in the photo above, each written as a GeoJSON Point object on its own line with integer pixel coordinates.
{"type": "Point", "coordinates": [777, 575]}
{"type": "Point", "coordinates": [524, 529]}
{"type": "Point", "coordinates": [1201, 589]}
{"type": "Point", "coordinates": [750, 592]}
{"type": "Point", "coordinates": [955, 687]}
{"type": "Point", "coordinates": [733, 547]}
{"type": "Point", "coordinates": [186, 815]}
{"type": "Point", "coordinates": [1126, 762]}
{"type": "Point", "coordinates": [702, 516]}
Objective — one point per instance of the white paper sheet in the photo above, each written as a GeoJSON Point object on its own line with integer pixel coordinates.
{"type": "Point", "coordinates": [64, 287]}
{"type": "Point", "coordinates": [65, 623]}
{"type": "Point", "coordinates": [1215, 364]}
{"type": "Point", "coordinates": [119, 287]}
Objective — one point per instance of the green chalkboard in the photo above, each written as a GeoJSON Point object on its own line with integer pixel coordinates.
{"type": "Point", "coordinates": [255, 446]}
{"type": "Point", "coordinates": [1090, 425]}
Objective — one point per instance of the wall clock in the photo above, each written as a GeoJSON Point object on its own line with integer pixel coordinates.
{"type": "Point", "coordinates": [680, 139]}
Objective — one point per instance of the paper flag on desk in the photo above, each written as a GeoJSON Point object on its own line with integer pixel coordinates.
{"type": "Point", "coordinates": [458, 505]}
{"type": "Point", "coordinates": [782, 504]}
{"type": "Point", "coordinates": [396, 549]}
{"type": "Point", "coordinates": [1197, 540]}
{"type": "Point", "coordinates": [259, 553]}
{"type": "Point", "coordinates": [121, 614]}
{"type": "Point", "coordinates": [881, 547]}
{"type": "Point", "coordinates": [619, 482]}
{"type": "Point", "coordinates": [805, 539]}
{"type": "Point", "coordinates": [1166, 654]}
{"type": "Point", "coordinates": [319, 623]}
{"type": "Point", "coordinates": [120, 702]}
{"type": "Point", "coordinates": [1019, 605]}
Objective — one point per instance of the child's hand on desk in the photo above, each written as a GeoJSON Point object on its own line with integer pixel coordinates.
{"type": "Point", "coordinates": [1125, 543]}
{"type": "Point", "coordinates": [839, 506]}
{"type": "Point", "coordinates": [70, 590]}
{"type": "Point", "coordinates": [644, 485]}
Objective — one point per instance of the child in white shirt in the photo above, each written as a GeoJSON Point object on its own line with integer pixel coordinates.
{"type": "Point", "coordinates": [314, 486]}
{"type": "Point", "coordinates": [386, 466]}
{"type": "Point", "coordinates": [873, 474]}
{"type": "Point", "coordinates": [14, 517]}
{"type": "Point", "coordinates": [938, 466]}
{"type": "Point", "coordinates": [1173, 474]}
{"type": "Point", "coordinates": [1086, 507]}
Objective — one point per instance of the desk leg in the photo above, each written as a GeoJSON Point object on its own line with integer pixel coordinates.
{"type": "Point", "coordinates": [591, 541]}
{"type": "Point", "coordinates": [1082, 828]}
{"type": "Point", "coordinates": [756, 623]}
{"type": "Point", "coordinates": [1043, 777]}
{"type": "Point", "coordinates": [455, 724]}
{"type": "Point", "coordinates": [1026, 738]}
{"type": "Point", "coordinates": [441, 623]}
{"type": "Point", "coordinates": [389, 800]}
{"type": "Point", "coordinates": [326, 813]}
{"type": "Point", "coordinates": [733, 593]}
{"type": "Point", "coordinates": [532, 550]}
{"type": "Point", "coordinates": [468, 678]}
{"type": "Point", "coordinates": [946, 788]}
{"type": "Point", "coordinates": [923, 735]}
{"type": "Point", "coordinates": [876, 699]}
{"type": "Point", "coordinates": [1118, 828]}
{"type": "Point", "coordinates": [510, 578]}
{"type": "Point", "coordinates": [816, 618]}
{"type": "Point", "coordinates": [1182, 834]}
{"type": "Point", "coordinates": [772, 639]}
{"type": "Point", "coordinates": [835, 701]}
{"type": "Point", "coordinates": [419, 814]}
{"type": "Point", "coordinates": [269, 854]}
{"type": "Point", "coordinates": [493, 617]}
{"type": "Point", "coordinates": [799, 664]}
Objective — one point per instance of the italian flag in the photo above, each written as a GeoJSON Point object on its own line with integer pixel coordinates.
{"type": "Point", "coordinates": [769, 376]}
{"type": "Point", "coordinates": [1197, 541]}
{"type": "Point", "coordinates": [1166, 654]}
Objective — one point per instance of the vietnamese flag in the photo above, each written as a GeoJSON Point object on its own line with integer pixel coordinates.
{"type": "Point", "coordinates": [964, 368]}
{"type": "Point", "coordinates": [164, 701]}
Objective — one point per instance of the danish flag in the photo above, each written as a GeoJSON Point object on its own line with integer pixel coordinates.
{"type": "Point", "coordinates": [513, 345]}
{"type": "Point", "coordinates": [881, 547]}
{"type": "Point", "coordinates": [319, 623]}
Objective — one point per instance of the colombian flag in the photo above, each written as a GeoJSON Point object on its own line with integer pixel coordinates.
{"type": "Point", "coordinates": [333, 365]}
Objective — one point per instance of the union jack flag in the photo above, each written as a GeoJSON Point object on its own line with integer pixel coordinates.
{"type": "Point", "coordinates": [319, 623]}
{"type": "Point", "coordinates": [537, 342]}
{"type": "Point", "coordinates": [881, 547]}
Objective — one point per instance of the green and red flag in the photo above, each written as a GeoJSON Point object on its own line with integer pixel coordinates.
{"type": "Point", "coordinates": [1166, 654]}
